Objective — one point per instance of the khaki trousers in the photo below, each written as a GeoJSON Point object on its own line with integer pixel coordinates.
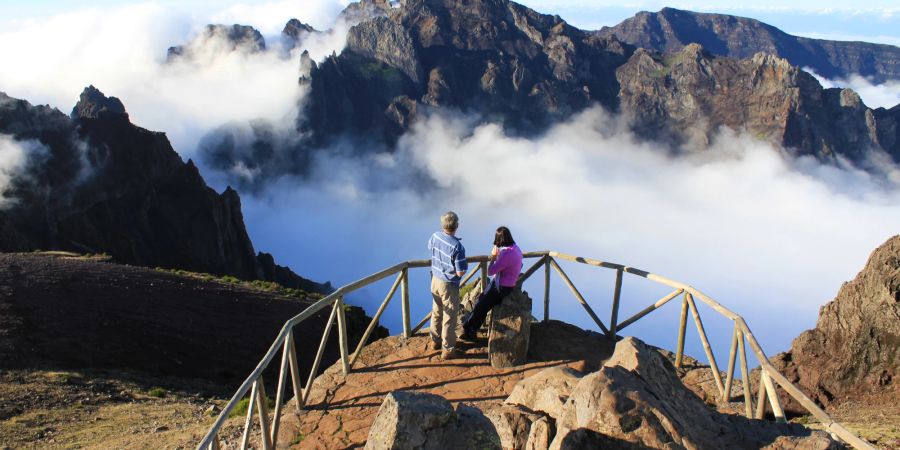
{"type": "Point", "coordinates": [444, 312]}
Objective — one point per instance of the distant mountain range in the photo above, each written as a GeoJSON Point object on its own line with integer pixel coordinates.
{"type": "Point", "coordinates": [109, 186]}
{"type": "Point", "coordinates": [670, 30]}
{"type": "Point", "coordinates": [677, 76]}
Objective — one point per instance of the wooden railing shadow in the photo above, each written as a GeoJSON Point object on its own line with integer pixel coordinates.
{"type": "Point", "coordinates": [289, 370]}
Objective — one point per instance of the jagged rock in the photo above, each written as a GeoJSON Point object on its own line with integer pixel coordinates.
{"type": "Point", "coordinates": [226, 38]}
{"type": "Point", "coordinates": [513, 424]}
{"type": "Point", "coordinates": [417, 420]}
{"type": "Point", "coordinates": [686, 97]}
{"type": "Point", "coordinates": [855, 347]}
{"type": "Point", "coordinates": [510, 330]}
{"type": "Point", "coordinates": [294, 30]}
{"type": "Point", "coordinates": [670, 30]}
{"type": "Point", "coordinates": [636, 399]}
{"type": "Point", "coordinates": [112, 187]}
{"type": "Point", "coordinates": [539, 435]}
{"type": "Point", "coordinates": [385, 40]}
{"type": "Point", "coordinates": [94, 105]}
{"type": "Point", "coordinates": [546, 391]}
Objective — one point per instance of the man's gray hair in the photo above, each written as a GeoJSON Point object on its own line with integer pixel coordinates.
{"type": "Point", "coordinates": [449, 221]}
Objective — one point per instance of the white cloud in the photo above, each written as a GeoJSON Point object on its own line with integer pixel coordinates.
{"type": "Point", "coordinates": [885, 95]}
{"type": "Point", "coordinates": [122, 51]}
{"type": "Point", "coordinates": [15, 159]}
{"type": "Point", "coordinates": [270, 17]}
{"type": "Point", "coordinates": [757, 231]}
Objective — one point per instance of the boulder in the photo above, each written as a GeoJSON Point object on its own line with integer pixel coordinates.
{"type": "Point", "coordinates": [510, 331]}
{"type": "Point", "coordinates": [854, 349]}
{"type": "Point", "coordinates": [539, 435]}
{"type": "Point", "coordinates": [546, 392]}
{"type": "Point", "coordinates": [636, 399]}
{"type": "Point", "coordinates": [419, 420]}
{"type": "Point", "coordinates": [513, 424]}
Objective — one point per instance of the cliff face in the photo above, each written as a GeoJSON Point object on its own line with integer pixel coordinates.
{"type": "Point", "coordinates": [685, 97]}
{"type": "Point", "coordinates": [493, 57]}
{"type": "Point", "coordinates": [109, 186]}
{"type": "Point", "coordinates": [855, 347]}
{"type": "Point", "coordinates": [504, 63]}
{"type": "Point", "coordinates": [670, 30]}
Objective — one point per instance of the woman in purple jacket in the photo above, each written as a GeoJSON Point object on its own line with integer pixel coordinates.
{"type": "Point", "coordinates": [505, 266]}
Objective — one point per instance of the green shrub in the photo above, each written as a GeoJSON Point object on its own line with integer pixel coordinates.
{"type": "Point", "coordinates": [157, 392]}
{"type": "Point", "coordinates": [240, 409]}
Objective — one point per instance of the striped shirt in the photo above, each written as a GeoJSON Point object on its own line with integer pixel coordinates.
{"type": "Point", "coordinates": [448, 256]}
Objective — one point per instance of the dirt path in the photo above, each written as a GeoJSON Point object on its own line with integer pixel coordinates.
{"type": "Point", "coordinates": [395, 364]}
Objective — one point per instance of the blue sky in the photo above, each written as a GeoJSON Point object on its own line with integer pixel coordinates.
{"type": "Point", "coordinates": [877, 21]}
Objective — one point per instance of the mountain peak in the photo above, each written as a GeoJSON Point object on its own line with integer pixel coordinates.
{"type": "Point", "coordinates": [93, 104]}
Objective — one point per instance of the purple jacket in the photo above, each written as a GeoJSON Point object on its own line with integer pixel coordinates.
{"type": "Point", "coordinates": [507, 266]}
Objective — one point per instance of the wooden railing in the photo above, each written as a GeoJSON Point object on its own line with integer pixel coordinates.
{"type": "Point", "coordinates": [285, 344]}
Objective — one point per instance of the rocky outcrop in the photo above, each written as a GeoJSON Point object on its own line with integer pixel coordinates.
{"type": "Point", "coordinates": [686, 97]}
{"type": "Point", "coordinates": [108, 186]}
{"type": "Point", "coordinates": [221, 38]}
{"type": "Point", "coordinates": [294, 31]}
{"type": "Point", "coordinates": [510, 330]}
{"type": "Point", "coordinates": [670, 30]}
{"type": "Point", "coordinates": [94, 105]}
{"type": "Point", "coordinates": [637, 401]}
{"type": "Point", "coordinates": [417, 420]}
{"type": "Point", "coordinates": [854, 350]}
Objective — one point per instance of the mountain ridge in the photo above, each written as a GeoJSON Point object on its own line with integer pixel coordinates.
{"type": "Point", "coordinates": [671, 29]}
{"type": "Point", "coordinates": [505, 63]}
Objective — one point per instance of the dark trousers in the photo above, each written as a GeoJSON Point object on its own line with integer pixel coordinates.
{"type": "Point", "coordinates": [486, 302]}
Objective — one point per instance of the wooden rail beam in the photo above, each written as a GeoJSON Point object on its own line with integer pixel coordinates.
{"type": "Point", "coordinates": [659, 303]}
{"type": "Point", "coordinates": [706, 347]}
{"type": "Point", "coordinates": [375, 319]}
{"type": "Point", "coordinates": [732, 356]}
{"type": "Point", "coordinates": [579, 297]}
{"type": "Point", "coordinates": [262, 404]}
{"type": "Point", "coordinates": [315, 367]}
{"type": "Point", "coordinates": [279, 393]}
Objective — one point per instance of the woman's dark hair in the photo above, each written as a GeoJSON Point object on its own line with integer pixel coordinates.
{"type": "Point", "coordinates": [503, 238]}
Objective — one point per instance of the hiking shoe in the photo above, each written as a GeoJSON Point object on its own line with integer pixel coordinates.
{"type": "Point", "coordinates": [452, 354]}
{"type": "Point", "coordinates": [469, 336]}
{"type": "Point", "coordinates": [435, 345]}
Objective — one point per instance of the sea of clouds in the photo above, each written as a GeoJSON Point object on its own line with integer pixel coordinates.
{"type": "Point", "coordinates": [771, 237]}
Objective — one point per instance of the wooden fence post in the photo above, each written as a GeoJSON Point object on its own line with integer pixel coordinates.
{"type": "Point", "coordinates": [404, 298]}
{"type": "Point", "coordinates": [546, 289]}
{"type": "Point", "coordinates": [682, 328]}
{"type": "Point", "coordinates": [614, 317]}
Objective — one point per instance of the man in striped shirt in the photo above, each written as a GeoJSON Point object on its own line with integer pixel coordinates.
{"type": "Point", "coordinates": [448, 265]}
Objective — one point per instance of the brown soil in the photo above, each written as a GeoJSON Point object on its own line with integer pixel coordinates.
{"type": "Point", "coordinates": [58, 311]}
{"type": "Point", "coordinates": [101, 410]}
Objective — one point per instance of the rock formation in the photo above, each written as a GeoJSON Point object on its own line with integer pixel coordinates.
{"type": "Point", "coordinates": [854, 350]}
{"type": "Point", "coordinates": [685, 97]}
{"type": "Point", "coordinates": [107, 186]}
{"type": "Point", "coordinates": [670, 30]}
{"type": "Point", "coordinates": [637, 401]}
{"type": "Point", "coordinates": [227, 38]}
{"type": "Point", "coordinates": [416, 420]}
{"type": "Point", "coordinates": [502, 62]}
{"type": "Point", "coordinates": [510, 330]}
